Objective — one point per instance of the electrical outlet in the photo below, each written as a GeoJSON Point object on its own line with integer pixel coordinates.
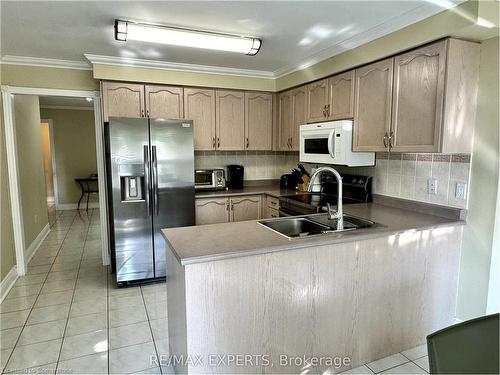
{"type": "Point", "coordinates": [432, 186]}
{"type": "Point", "coordinates": [461, 190]}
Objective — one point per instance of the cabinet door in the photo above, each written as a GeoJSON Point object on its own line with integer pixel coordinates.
{"type": "Point", "coordinates": [246, 208]}
{"type": "Point", "coordinates": [199, 106]}
{"type": "Point", "coordinates": [317, 101]}
{"type": "Point", "coordinates": [298, 116]}
{"type": "Point", "coordinates": [212, 211]}
{"type": "Point", "coordinates": [284, 121]}
{"type": "Point", "coordinates": [372, 109]}
{"type": "Point", "coordinates": [258, 121]}
{"type": "Point", "coordinates": [341, 89]}
{"type": "Point", "coordinates": [164, 102]}
{"type": "Point", "coordinates": [418, 99]}
{"type": "Point", "coordinates": [230, 120]}
{"type": "Point", "coordinates": [122, 100]}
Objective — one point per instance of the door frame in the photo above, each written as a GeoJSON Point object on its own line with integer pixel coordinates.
{"type": "Point", "coordinates": [13, 168]}
{"type": "Point", "coordinates": [53, 157]}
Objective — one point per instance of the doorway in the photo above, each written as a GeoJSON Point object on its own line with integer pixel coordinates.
{"type": "Point", "coordinates": [23, 248]}
{"type": "Point", "coordinates": [48, 169]}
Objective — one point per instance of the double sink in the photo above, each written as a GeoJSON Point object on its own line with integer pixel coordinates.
{"type": "Point", "coordinates": [314, 225]}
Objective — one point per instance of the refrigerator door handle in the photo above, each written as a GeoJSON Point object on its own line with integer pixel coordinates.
{"type": "Point", "coordinates": [156, 206]}
{"type": "Point", "coordinates": [146, 179]}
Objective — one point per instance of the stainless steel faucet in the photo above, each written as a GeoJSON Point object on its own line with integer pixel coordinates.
{"type": "Point", "coordinates": [331, 214]}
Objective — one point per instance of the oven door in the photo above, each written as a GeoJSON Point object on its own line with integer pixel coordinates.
{"type": "Point", "coordinates": [319, 145]}
{"type": "Point", "coordinates": [203, 179]}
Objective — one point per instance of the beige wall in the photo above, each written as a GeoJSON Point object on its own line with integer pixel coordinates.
{"type": "Point", "coordinates": [74, 149]}
{"type": "Point", "coordinates": [478, 234]}
{"type": "Point", "coordinates": [7, 250]}
{"type": "Point", "coordinates": [31, 176]}
{"type": "Point", "coordinates": [50, 78]}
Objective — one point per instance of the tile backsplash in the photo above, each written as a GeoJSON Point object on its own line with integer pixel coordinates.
{"type": "Point", "coordinates": [397, 175]}
{"type": "Point", "coordinates": [259, 165]}
{"type": "Point", "coordinates": [406, 176]}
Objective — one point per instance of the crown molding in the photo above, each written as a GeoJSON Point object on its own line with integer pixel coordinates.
{"type": "Point", "coordinates": [182, 67]}
{"type": "Point", "coordinates": [43, 62]}
{"type": "Point", "coordinates": [396, 23]}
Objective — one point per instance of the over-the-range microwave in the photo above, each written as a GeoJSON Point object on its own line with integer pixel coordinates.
{"type": "Point", "coordinates": [331, 143]}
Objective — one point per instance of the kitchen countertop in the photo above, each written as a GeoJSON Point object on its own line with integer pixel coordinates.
{"type": "Point", "coordinates": [270, 189]}
{"type": "Point", "coordinates": [206, 243]}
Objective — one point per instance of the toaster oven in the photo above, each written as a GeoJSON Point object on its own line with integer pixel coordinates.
{"type": "Point", "coordinates": [209, 179]}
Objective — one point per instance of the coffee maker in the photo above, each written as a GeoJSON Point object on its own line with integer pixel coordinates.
{"type": "Point", "coordinates": [235, 175]}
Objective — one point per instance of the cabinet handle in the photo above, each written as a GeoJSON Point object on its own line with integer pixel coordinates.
{"type": "Point", "coordinates": [142, 112]}
{"type": "Point", "coordinates": [385, 140]}
{"type": "Point", "coordinates": [218, 142]}
{"type": "Point", "coordinates": [147, 113]}
{"type": "Point", "coordinates": [328, 110]}
{"type": "Point", "coordinates": [390, 140]}
{"type": "Point", "coordinates": [213, 142]}
{"type": "Point", "coordinates": [248, 143]}
{"type": "Point", "coordinates": [291, 142]}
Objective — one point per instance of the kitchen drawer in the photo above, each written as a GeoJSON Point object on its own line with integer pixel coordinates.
{"type": "Point", "coordinates": [272, 213]}
{"type": "Point", "coordinates": [273, 202]}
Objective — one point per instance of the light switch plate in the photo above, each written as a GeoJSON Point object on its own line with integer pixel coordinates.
{"type": "Point", "coordinates": [432, 186]}
{"type": "Point", "coordinates": [461, 190]}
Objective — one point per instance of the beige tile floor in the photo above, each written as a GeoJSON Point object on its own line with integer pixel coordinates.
{"type": "Point", "coordinates": [66, 315]}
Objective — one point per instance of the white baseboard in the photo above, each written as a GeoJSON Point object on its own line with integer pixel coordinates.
{"type": "Point", "coordinates": [74, 206]}
{"type": "Point", "coordinates": [31, 250]}
{"type": "Point", "coordinates": [8, 282]}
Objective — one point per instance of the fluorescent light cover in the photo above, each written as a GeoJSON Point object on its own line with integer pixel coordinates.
{"type": "Point", "coordinates": [127, 30]}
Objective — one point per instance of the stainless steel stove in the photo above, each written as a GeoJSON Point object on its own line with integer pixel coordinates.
{"type": "Point", "coordinates": [356, 189]}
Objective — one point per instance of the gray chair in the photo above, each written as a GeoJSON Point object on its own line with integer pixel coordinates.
{"type": "Point", "coordinates": [470, 347]}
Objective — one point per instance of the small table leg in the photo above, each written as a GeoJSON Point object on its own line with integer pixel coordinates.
{"type": "Point", "coordinates": [81, 196]}
{"type": "Point", "coordinates": [88, 196]}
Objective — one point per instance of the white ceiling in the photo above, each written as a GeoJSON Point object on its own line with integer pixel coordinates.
{"type": "Point", "coordinates": [295, 34]}
{"type": "Point", "coordinates": [65, 101]}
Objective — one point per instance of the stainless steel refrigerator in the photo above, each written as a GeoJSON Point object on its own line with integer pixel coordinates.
{"type": "Point", "coordinates": [150, 167]}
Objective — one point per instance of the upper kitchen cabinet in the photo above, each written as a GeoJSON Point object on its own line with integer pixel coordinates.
{"type": "Point", "coordinates": [199, 106]}
{"type": "Point", "coordinates": [433, 103]}
{"type": "Point", "coordinates": [230, 120]}
{"type": "Point", "coordinates": [258, 121]}
{"type": "Point", "coordinates": [341, 96]}
{"type": "Point", "coordinates": [284, 121]}
{"type": "Point", "coordinates": [434, 100]}
{"type": "Point", "coordinates": [299, 98]}
{"type": "Point", "coordinates": [317, 98]}
{"type": "Point", "coordinates": [372, 111]}
{"type": "Point", "coordinates": [122, 100]}
{"type": "Point", "coordinates": [164, 102]}
{"type": "Point", "coordinates": [418, 99]}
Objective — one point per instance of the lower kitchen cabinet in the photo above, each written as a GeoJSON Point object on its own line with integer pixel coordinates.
{"type": "Point", "coordinates": [245, 208]}
{"type": "Point", "coordinates": [211, 210]}
{"type": "Point", "coordinates": [224, 210]}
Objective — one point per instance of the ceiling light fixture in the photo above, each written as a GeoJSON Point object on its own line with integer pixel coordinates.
{"type": "Point", "coordinates": [130, 30]}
